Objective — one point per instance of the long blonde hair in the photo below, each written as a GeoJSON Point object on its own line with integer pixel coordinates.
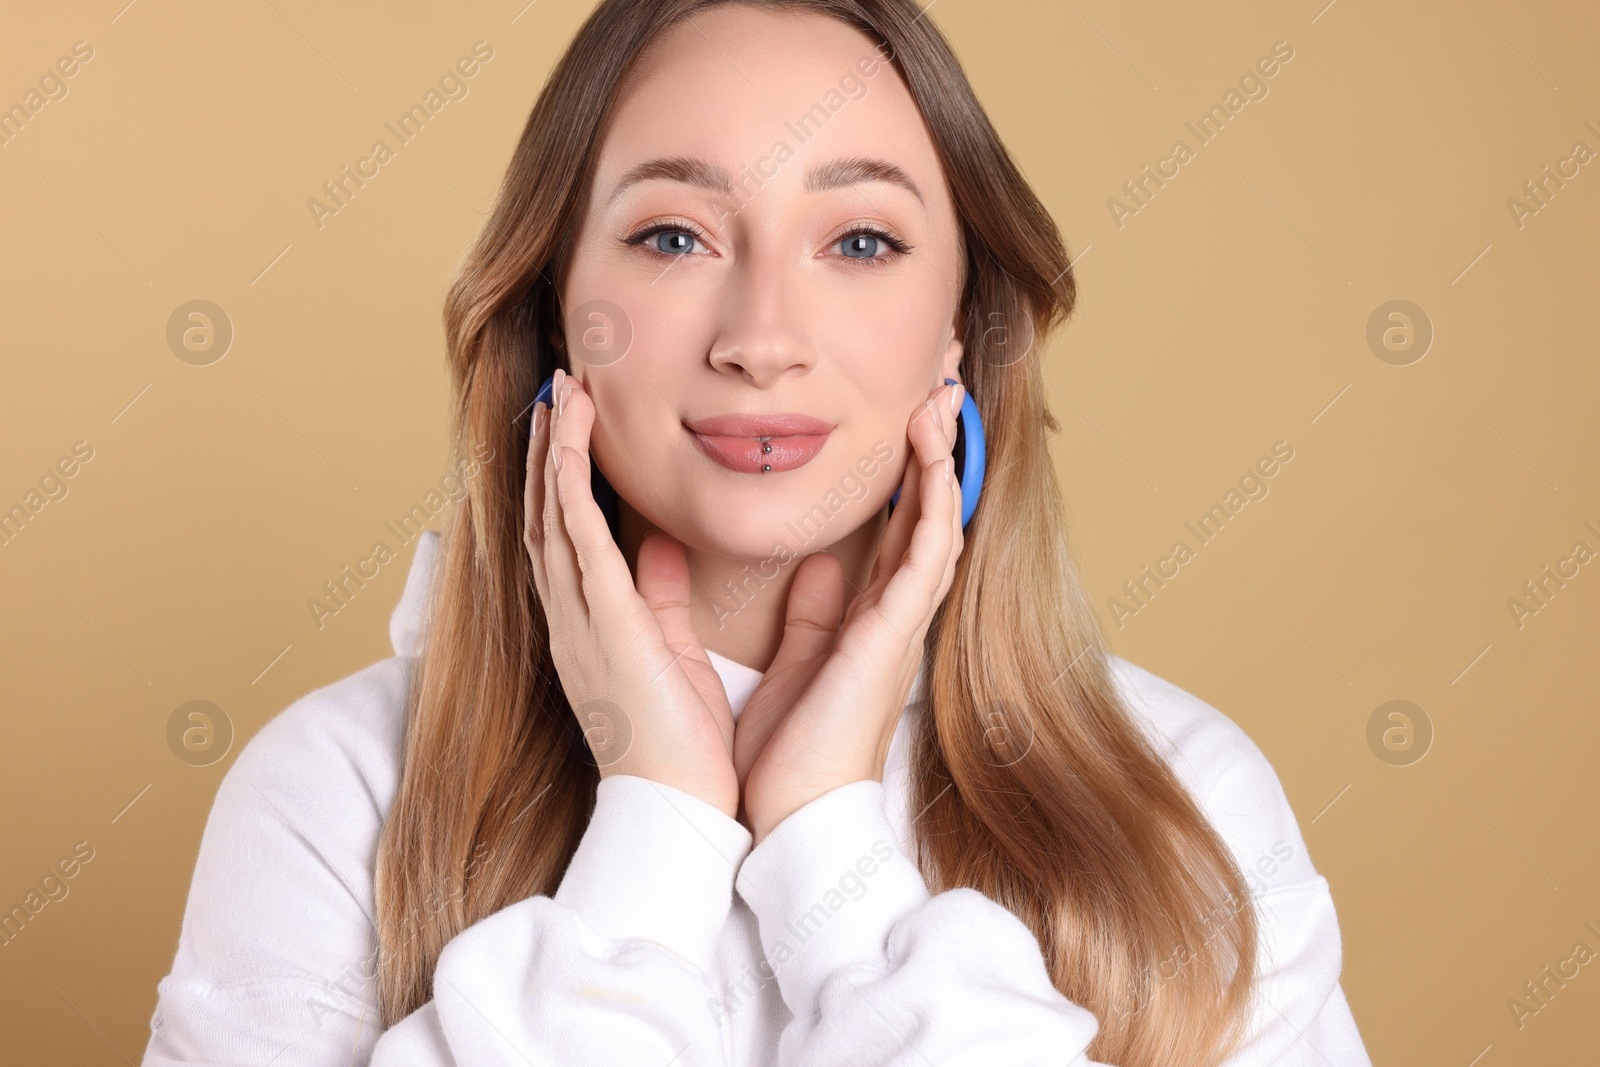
{"type": "Point", "coordinates": [1034, 784]}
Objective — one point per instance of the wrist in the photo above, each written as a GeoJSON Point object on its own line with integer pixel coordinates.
{"type": "Point", "coordinates": [724, 796]}
{"type": "Point", "coordinates": [768, 815]}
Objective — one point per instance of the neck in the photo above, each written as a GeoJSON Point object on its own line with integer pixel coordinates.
{"type": "Point", "coordinates": [738, 605]}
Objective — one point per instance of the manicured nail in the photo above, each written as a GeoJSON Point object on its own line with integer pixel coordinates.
{"type": "Point", "coordinates": [555, 456]}
{"type": "Point", "coordinates": [949, 471]}
{"type": "Point", "coordinates": [561, 400]}
{"type": "Point", "coordinates": [538, 417]}
{"type": "Point", "coordinates": [956, 393]}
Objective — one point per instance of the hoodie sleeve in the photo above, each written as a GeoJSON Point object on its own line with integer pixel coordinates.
{"type": "Point", "coordinates": [532, 984]}
{"type": "Point", "coordinates": [610, 970]}
{"type": "Point", "coordinates": [1301, 1017]}
{"type": "Point", "coordinates": [879, 973]}
{"type": "Point", "coordinates": [276, 954]}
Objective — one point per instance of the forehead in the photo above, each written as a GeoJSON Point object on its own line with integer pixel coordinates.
{"type": "Point", "coordinates": [733, 84]}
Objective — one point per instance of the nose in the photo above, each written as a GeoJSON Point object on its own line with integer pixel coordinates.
{"type": "Point", "coordinates": [763, 340]}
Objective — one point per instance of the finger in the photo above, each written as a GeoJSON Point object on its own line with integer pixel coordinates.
{"type": "Point", "coordinates": [897, 535]}
{"type": "Point", "coordinates": [533, 495]}
{"type": "Point", "coordinates": [916, 584]}
{"type": "Point", "coordinates": [563, 577]}
{"type": "Point", "coordinates": [810, 633]}
{"type": "Point", "coordinates": [663, 583]}
{"type": "Point", "coordinates": [811, 619]}
{"type": "Point", "coordinates": [605, 583]}
{"type": "Point", "coordinates": [957, 537]}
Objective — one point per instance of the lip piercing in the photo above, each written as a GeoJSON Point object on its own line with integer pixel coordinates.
{"type": "Point", "coordinates": [766, 447]}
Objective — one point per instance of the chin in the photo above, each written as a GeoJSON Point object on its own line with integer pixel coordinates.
{"type": "Point", "coordinates": [776, 530]}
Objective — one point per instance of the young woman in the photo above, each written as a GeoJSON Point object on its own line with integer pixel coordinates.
{"type": "Point", "coordinates": [749, 710]}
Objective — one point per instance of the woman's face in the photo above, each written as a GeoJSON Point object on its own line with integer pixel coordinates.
{"type": "Point", "coordinates": [784, 291]}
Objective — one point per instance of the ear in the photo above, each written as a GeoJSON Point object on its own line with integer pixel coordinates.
{"type": "Point", "coordinates": [952, 360]}
{"type": "Point", "coordinates": [956, 348]}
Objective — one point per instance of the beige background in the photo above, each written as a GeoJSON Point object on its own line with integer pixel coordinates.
{"type": "Point", "coordinates": [1229, 313]}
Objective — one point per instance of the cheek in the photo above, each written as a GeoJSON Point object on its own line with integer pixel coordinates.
{"type": "Point", "coordinates": [635, 436]}
{"type": "Point", "coordinates": [664, 316]}
{"type": "Point", "coordinates": [887, 341]}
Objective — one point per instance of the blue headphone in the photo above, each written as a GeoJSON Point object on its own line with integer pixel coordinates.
{"type": "Point", "coordinates": [969, 453]}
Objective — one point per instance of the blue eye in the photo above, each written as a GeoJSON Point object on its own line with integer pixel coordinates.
{"type": "Point", "coordinates": [865, 243]}
{"type": "Point", "coordinates": [675, 242]}
{"type": "Point", "coordinates": [674, 238]}
{"type": "Point", "coordinates": [860, 246]}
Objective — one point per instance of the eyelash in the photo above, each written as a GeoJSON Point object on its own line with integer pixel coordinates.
{"type": "Point", "coordinates": [897, 247]}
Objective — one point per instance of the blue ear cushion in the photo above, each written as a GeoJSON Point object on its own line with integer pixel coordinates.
{"type": "Point", "coordinates": [970, 454]}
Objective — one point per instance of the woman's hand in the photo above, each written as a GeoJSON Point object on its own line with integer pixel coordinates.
{"type": "Point", "coordinates": [646, 695]}
{"type": "Point", "coordinates": [826, 709]}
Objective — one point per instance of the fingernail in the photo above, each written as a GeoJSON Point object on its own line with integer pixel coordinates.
{"type": "Point", "coordinates": [949, 471]}
{"type": "Point", "coordinates": [956, 393]}
{"type": "Point", "coordinates": [538, 417]}
{"type": "Point", "coordinates": [555, 456]}
{"type": "Point", "coordinates": [561, 401]}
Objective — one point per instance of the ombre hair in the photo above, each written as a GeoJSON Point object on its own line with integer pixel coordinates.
{"type": "Point", "coordinates": [1033, 782]}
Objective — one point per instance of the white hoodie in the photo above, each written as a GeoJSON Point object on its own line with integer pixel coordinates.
{"type": "Point", "coordinates": [831, 952]}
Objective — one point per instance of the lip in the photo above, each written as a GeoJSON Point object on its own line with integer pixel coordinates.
{"type": "Point", "coordinates": [753, 443]}
{"type": "Point", "coordinates": [777, 424]}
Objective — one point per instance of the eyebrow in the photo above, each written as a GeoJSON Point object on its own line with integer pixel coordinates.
{"type": "Point", "coordinates": [835, 174]}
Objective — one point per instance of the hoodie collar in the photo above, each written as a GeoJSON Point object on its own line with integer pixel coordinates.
{"type": "Point", "coordinates": [409, 620]}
